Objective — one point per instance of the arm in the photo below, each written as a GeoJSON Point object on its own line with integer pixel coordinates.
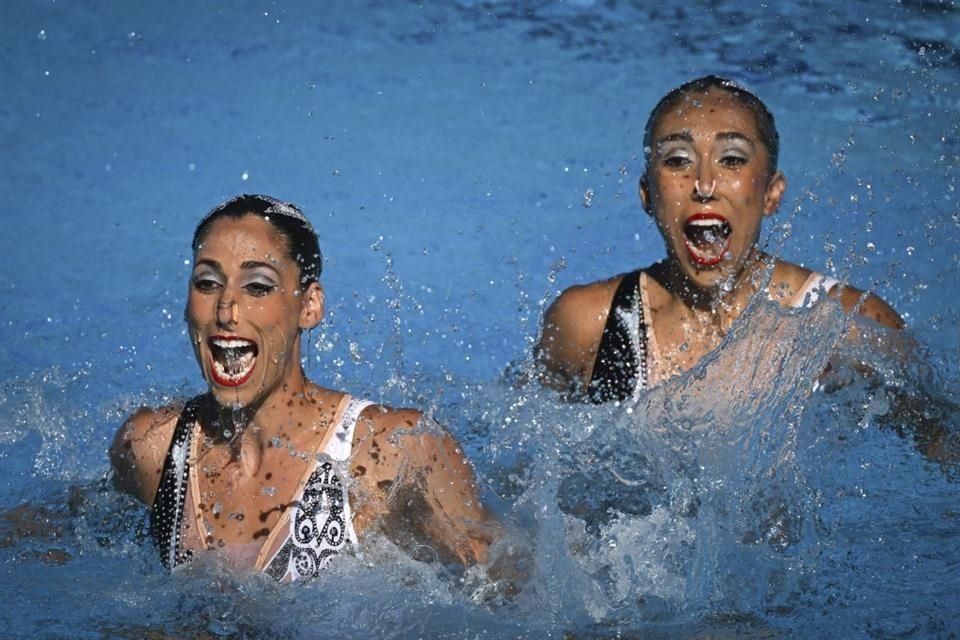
{"type": "Point", "coordinates": [420, 487]}
{"type": "Point", "coordinates": [902, 384]}
{"type": "Point", "coordinates": [932, 422]}
{"type": "Point", "coordinates": [572, 328]}
{"type": "Point", "coordinates": [139, 450]}
{"type": "Point", "coordinates": [868, 305]}
{"type": "Point", "coordinates": [457, 521]}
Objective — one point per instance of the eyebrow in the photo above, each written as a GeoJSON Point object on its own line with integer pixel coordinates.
{"type": "Point", "coordinates": [256, 264]}
{"type": "Point", "coordinates": [247, 265]}
{"type": "Point", "coordinates": [208, 263]}
{"type": "Point", "coordinates": [686, 136]}
{"type": "Point", "coordinates": [683, 136]}
{"type": "Point", "coordinates": [734, 135]}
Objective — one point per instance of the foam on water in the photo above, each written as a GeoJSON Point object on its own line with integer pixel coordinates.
{"type": "Point", "coordinates": [734, 499]}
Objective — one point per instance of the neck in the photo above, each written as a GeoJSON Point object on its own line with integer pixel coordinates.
{"type": "Point", "coordinates": [223, 423]}
{"type": "Point", "coordinates": [723, 302]}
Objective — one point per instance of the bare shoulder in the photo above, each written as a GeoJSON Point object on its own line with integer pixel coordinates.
{"type": "Point", "coordinates": [572, 327]}
{"type": "Point", "coordinates": [789, 279]}
{"type": "Point", "coordinates": [873, 306]}
{"type": "Point", "coordinates": [419, 485]}
{"type": "Point", "coordinates": [139, 449]}
{"type": "Point", "coordinates": [582, 304]}
{"type": "Point", "coordinates": [394, 440]}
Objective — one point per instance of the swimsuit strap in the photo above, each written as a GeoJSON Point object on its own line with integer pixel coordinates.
{"type": "Point", "coordinates": [166, 514]}
{"type": "Point", "coordinates": [321, 525]}
{"type": "Point", "coordinates": [340, 445]}
{"type": "Point", "coordinates": [812, 289]}
{"type": "Point", "coordinates": [621, 365]}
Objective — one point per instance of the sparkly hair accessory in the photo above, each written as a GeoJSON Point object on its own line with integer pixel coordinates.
{"type": "Point", "coordinates": [278, 208]}
{"type": "Point", "coordinates": [272, 206]}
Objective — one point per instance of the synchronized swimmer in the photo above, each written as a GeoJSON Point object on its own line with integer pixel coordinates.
{"type": "Point", "coordinates": [711, 177]}
{"type": "Point", "coordinates": [268, 469]}
{"type": "Point", "coordinates": [275, 473]}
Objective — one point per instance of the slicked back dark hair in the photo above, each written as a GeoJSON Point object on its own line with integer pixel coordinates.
{"type": "Point", "coordinates": [301, 241]}
{"type": "Point", "coordinates": [764, 119]}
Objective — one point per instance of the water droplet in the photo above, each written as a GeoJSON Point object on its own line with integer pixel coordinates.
{"type": "Point", "coordinates": [237, 415]}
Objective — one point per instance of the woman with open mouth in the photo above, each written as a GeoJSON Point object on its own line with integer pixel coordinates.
{"type": "Point", "coordinates": [711, 177]}
{"type": "Point", "coordinates": [268, 469]}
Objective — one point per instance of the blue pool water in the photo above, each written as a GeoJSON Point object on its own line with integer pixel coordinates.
{"type": "Point", "coordinates": [464, 161]}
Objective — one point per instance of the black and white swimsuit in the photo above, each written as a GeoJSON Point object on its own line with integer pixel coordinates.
{"type": "Point", "coordinates": [621, 367]}
{"type": "Point", "coordinates": [305, 538]}
{"type": "Point", "coordinates": [627, 356]}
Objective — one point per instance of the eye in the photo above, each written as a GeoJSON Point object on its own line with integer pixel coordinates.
{"type": "Point", "coordinates": [676, 160]}
{"type": "Point", "coordinates": [259, 289]}
{"type": "Point", "coordinates": [205, 284]}
{"type": "Point", "coordinates": [733, 159]}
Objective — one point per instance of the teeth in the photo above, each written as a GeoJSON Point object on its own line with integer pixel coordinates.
{"type": "Point", "coordinates": [707, 239]}
{"type": "Point", "coordinates": [228, 343]}
{"type": "Point", "coordinates": [233, 358]}
{"type": "Point", "coordinates": [706, 232]}
{"type": "Point", "coordinates": [235, 368]}
{"type": "Point", "coordinates": [705, 223]}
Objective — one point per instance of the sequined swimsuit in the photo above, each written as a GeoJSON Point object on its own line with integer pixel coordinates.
{"type": "Point", "coordinates": [303, 541]}
{"type": "Point", "coordinates": [627, 356]}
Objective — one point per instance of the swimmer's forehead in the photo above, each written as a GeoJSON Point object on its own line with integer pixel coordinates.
{"type": "Point", "coordinates": [717, 113]}
{"type": "Point", "coordinates": [252, 240]}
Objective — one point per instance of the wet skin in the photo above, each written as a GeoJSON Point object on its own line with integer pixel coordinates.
{"type": "Point", "coordinates": [708, 186]}
{"type": "Point", "coordinates": [710, 141]}
{"type": "Point", "coordinates": [263, 422]}
{"type": "Point", "coordinates": [244, 288]}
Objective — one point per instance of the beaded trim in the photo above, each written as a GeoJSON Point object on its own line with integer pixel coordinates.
{"type": "Point", "coordinates": [167, 512]}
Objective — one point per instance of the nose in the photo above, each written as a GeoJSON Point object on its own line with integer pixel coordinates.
{"type": "Point", "coordinates": [705, 183]}
{"type": "Point", "coordinates": [228, 311]}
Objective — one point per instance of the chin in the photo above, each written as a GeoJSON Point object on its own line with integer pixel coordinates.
{"type": "Point", "coordinates": [240, 396]}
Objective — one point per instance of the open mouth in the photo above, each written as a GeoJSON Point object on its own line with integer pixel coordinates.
{"type": "Point", "coordinates": [707, 236]}
{"type": "Point", "coordinates": [233, 360]}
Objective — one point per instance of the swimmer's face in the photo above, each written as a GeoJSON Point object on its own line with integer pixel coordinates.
{"type": "Point", "coordinates": [245, 309]}
{"type": "Point", "coordinates": [708, 185]}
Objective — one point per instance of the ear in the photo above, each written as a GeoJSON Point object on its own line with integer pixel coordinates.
{"type": "Point", "coordinates": [644, 188]}
{"type": "Point", "coordinates": [311, 306]}
{"type": "Point", "coordinates": [775, 189]}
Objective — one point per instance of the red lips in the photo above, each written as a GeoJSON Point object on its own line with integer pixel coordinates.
{"type": "Point", "coordinates": [232, 359]}
{"type": "Point", "coordinates": [707, 237]}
